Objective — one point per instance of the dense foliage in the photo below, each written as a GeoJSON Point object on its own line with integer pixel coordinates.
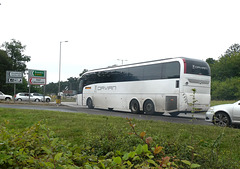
{"type": "Point", "coordinates": [226, 75]}
{"type": "Point", "coordinates": [38, 147]}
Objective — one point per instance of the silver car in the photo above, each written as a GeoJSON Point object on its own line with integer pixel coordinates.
{"type": "Point", "coordinates": [224, 115]}
{"type": "Point", "coordinates": [5, 97]}
{"type": "Point", "coordinates": [40, 97]}
{"type": "Point", "coordinates": [24, 97]}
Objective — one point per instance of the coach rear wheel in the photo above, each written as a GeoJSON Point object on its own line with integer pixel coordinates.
{"type": "Point", "coordinates": [148, 107]}
{"type": "Point", "coordinates": [134, 106]}
{"type": "Point", "coordinates": [90, 103]}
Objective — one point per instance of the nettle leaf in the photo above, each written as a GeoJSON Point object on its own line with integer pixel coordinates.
{"type": "Point", "coordinates": [58, 156]}
{"type": "Point", "coordinates": [126, 156]}
{"type": "Point", "coordinates": [131, 154]}
{"type": "Point", "coordinates": [145, 148]}
{"type": "Point", "coordinates": [55, 140]}
{"type": "Point", "coordinates": [139, 149]}
{"type": "Point", "coordinates": [117, 160]}
{"type": "Point", "coordinates": [186, 162]}
{"type": "Point", "coordinates": [152, 162]}
{"type": "Point", "coordinates": [195, 166]}
{"type": "Point", "coordinates": [49, 164]}
{"type": "Point", "coordinates": [136, 158]}
{"type": "Point", "coordinates": [48, 151]}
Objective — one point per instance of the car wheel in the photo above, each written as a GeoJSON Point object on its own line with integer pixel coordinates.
{"type": "Point", "coordinates": [37, 100]}
{"type": "Point", "coordinates": [134, 106]}
{"type": "Point", "coordinates": [221, 119]}
{"type": "Point", "coordinates": [148, 107]}
{"type": "Point", "coordinates": [19, 100]}
{"type": "Point", "coordinates": [47, 100]}
{"type": "Point", "coordinates": [7, 99]}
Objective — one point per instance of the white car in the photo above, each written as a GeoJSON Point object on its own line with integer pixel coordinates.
{"type": "Point", "coordinates": [39, 97]}
{"type": "Point", "coordinates": [224, 115]}
{"type": "Point", "coordinates": [5, 96]}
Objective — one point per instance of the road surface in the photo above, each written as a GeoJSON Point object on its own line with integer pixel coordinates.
{"type": "Point", "coordinates": [196, 118]}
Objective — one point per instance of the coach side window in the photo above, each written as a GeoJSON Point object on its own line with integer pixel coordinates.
{"type": "Point", "coordinates": [152, 72]}
{"type": "Point", "coordinates": [171, 70]}
{"type": "Point", "coordinates": [135, 73]}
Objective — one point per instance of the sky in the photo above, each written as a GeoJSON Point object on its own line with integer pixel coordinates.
{"type": "Point", "coordinates": [103, 33]}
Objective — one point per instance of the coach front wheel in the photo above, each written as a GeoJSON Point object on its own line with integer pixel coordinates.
{"type": "Point", "coordinates": [90, 103]}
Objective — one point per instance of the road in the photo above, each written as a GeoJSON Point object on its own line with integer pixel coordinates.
{"type": "Point", "coordinates": [196, 118]}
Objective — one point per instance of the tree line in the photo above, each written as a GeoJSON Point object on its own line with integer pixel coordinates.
{"type": "Point", "coordinates": [225, 73]}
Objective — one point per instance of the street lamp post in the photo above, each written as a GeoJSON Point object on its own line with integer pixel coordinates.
{"type": "Point", "coordinates": [60, 68]}
{"type": "Point", "coordinates": [122, 60]}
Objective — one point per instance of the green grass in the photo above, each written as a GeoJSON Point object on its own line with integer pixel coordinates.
{"type": "Point", "coordinates": [217, 102]}
{"type": "Point", "coordinates": [104, 132]}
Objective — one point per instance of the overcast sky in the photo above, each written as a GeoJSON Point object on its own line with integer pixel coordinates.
{"type": "Point", "coordinates": [99, 32]}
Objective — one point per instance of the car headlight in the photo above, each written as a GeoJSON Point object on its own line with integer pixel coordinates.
{"type": "Point", "coordinates": [211, 109]}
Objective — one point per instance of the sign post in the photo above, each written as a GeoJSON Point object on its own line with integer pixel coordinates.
{"type": "Point", "coordinates": [14, 77]}
{"type": "Point", "coordinates": [37, 77]}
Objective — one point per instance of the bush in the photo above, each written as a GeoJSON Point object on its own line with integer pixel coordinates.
{"type": "Point", "coordinates": [38, 147]}
{"type": "Point", "coordinates": [226, 90]}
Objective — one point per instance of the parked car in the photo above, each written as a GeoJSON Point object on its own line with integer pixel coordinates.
{"type": "Point", "coordinates": [40, 97]}
{"type": "Point", "coordinates": [24, 97]}
{"type": "Point", "coordinates": [36, 97]}
{"type": "Point", "coordinates": [224, 115]}
{"type": "Point", "coordinates": [5, 96]}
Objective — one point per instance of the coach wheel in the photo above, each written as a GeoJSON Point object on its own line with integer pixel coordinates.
{"type": "Point", "coordinates": [90, 103]}
{"type": "Point", "coordinates": [148, 107]}
{"type": "Point", "coordinates": [221, 119]}
{"type": "Point", "coordinates": [134, 106]}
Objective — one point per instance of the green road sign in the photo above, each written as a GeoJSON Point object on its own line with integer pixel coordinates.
{"type": "Point", "coordinates": [38, 73]}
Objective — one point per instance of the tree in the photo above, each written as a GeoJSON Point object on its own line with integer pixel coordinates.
{"type": "Point", "coordinates": [12, 58]}
{"type": "Point", "coordinates": [228, 64]}
{"type": "Point", "coordinates": [210, 61]}
{"type": "Point", "coordinates": [84, 71]}
{"type": "Point", "coordinates": [73, 83]}
{"type": "Point", "coordinates": [52, 88]}
{"type": "Point", "coordinates": [5, 64]}
{"type": "Point", "coordinates": [14, 50]}
{"type": "Point", "coordinates": [235, 48]}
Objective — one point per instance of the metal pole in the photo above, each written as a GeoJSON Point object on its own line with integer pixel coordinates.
{"type": "Point", "coordinates": [14, 92]}
{"type": "Point", "coordinates": [29, 90]}
{"type": "Point", "coordinates": [59, 70]}
{"type": "Point", "coordinates": [59, 96]}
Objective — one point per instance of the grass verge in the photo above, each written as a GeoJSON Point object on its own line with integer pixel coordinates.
{"type": "Point", "coordinates": [212, 146]}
